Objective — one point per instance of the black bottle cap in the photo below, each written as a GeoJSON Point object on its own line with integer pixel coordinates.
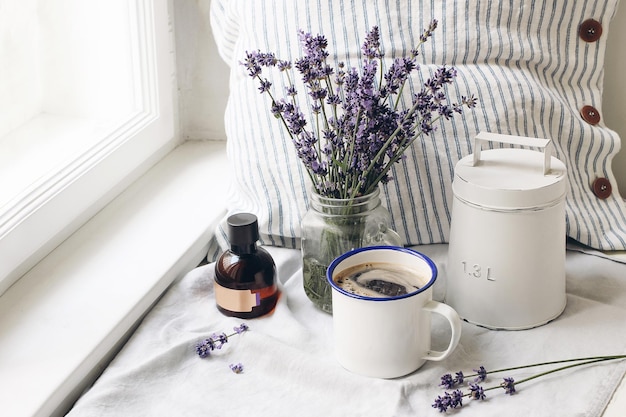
{"type": "Point", "coordinates": [243, 229]}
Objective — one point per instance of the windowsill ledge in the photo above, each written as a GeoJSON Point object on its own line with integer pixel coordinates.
{"type": "Point", "coordinates": [63, 320]}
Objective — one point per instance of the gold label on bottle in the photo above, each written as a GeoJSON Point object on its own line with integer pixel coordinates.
{"type": "Point", "coordinates": [240, 301]}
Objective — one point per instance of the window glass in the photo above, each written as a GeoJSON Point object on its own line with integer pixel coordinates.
{"type": "Point", "coordinates": [86, 99]}
{"type": "Point", "coordinates": [66, 84]}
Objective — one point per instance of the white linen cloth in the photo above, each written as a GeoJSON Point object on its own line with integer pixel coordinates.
{"type": "Point", "coordinates": [290, 370]}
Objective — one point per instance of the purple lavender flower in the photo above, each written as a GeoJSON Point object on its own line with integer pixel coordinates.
{"type": "Point", "coordinates": [253, 67]}
{"type": "Point", "coordinates": [256, 60]}
{"type": "Point", "coordinates": [428, 32]}
{"type": "Point", "coordinates": [236, 368]}
{"type": "Point", "coordinates": [447, 381]}
{"type": "Point", "coordinates": [477, 392]}
{"type": "Point", "coordinates": [291, 91]}
{"type": "Point", "coordinates": [397, 75]}
{"type": "Point", "coordinates": [456, 399]}
{"type": "Point", "coordinates": [448, 400]}
{"type": "Point", "coordinates": [219, 339]}
{"type": "Point", "coordinates": [333, 100]}
{"type": "Point", "coordinates": [318, 93]}
{"type": "Point", "coordinates": [446, 112]}
{"type": "Point", "coordinates": [241, 328]}
{"type": "Point", "coordinates": [312, 65]}
{"type": "Point", "coordinates": [264, 86]}
{"type": "Point", "coordinates": [277, 109]}
{"type": "Point", "coordinates": [284, 65]}
{"type": "Point", "coordinates": [509, 386]}
{"type": "Point", "coordinates": [459, 378]}
{"type": "Point", "coordinates": [316, 108]}
{"type": "Point", "coordinates": [371, 46]}
{"type": "Point", "coordinates": [442, 403]}
{"type": "Point", "coordinates": [204, 348]}
{"type": "Point", "coordinates": [319, 168]}
{"type": "Point", "coordinates": [469, 102]}
{"type": "Point", "coordinates": [482, 374]}
{"type": "Point", "coordinates": [293, 117]}
{"type": "Point", "coordinates": [426, 127]}
{"type": "Point", "coordinates": [314, 46]}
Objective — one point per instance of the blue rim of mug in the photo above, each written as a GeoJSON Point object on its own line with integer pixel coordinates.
{"type": "Point", "coordinates": [341, 258]}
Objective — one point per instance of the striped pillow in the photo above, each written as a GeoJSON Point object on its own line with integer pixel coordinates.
{"type": "Point", "coordinates": [525, 62]}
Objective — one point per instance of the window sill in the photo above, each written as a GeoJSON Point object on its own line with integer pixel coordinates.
{"type": "Point", "coordinates": [65, 318]}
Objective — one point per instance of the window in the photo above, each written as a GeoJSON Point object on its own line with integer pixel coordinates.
{"type": "Point", "coordinates": [87, 105]}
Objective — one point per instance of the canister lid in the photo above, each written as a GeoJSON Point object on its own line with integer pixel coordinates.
{"type": "Point", "coordinates": [510, 178]}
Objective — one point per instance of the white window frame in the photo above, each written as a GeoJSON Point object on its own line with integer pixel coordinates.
{"type": "Point", "coordinates": [102, 240]}
{"type": "Point", "coordinates": [51, 210]}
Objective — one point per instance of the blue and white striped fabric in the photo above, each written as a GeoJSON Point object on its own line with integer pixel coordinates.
{"type": "Point", "coordinates": [523, 60]}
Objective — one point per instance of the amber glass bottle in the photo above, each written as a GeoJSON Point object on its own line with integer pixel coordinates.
{"type": "Point", "coordinates": [245, 275]}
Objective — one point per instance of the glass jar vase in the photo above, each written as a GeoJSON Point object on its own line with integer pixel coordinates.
{"type": "Point", "coordinates": [333, 226]}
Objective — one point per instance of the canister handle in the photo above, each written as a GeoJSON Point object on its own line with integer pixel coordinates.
{"type": "Point", "coordinates": [544, 144]}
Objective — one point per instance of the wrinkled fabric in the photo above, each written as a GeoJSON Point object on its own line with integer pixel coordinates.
{"type": "Point", "coordinates": [289, 368]}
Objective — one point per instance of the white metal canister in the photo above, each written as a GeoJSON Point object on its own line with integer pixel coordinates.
{"type": "Point", "coordinates": [506, 260]}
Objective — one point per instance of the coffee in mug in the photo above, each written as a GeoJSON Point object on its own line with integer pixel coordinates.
{"type": "Point", "coordinates": [385, 293]}
{"type": "Point", "coordinates": [379, 279]}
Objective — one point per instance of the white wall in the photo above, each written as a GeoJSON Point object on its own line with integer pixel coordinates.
{"type": "Point", "coordinates": [204, 84]}
{"type": "Point", "coordinates": [202, 75]}
{"type": "Point", "coordinates": [614, 106]}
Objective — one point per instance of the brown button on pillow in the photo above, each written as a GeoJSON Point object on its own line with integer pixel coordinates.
{"type": "Point", "coordinates": [525, 62]}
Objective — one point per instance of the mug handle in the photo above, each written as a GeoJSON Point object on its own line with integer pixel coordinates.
{"type": "Point", "coordinates": [455, 324]}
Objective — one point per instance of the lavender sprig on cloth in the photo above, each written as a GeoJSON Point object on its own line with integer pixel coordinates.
{"type": "Point", "coordinates": [358, 124]}
{"type": "Point", "coordinates": [454, 399]}
{"type": "Point", "coordinates": [217, 340]}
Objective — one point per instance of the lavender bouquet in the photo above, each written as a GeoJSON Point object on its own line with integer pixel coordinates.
{"type": "Point", "coordinates": [359, 124]}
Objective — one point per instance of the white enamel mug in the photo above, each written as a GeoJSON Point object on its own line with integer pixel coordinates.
{"type": "Point", "coordinates": [388, 337]}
